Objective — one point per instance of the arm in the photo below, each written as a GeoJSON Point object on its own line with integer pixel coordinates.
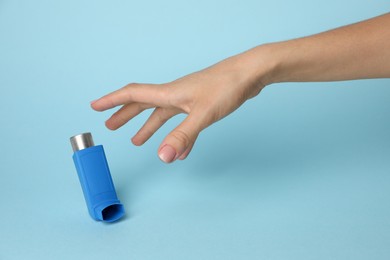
{"type": "Point", "coordinates": [356, 51]}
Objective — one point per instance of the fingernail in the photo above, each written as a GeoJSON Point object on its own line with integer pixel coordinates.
{"type": "Point", "coordinates": [167, 154]}
{"type": "Point", "coordinates": [93, 101]}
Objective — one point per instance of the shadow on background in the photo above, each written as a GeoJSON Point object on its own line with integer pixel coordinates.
{"type": "Point", "coordinates": [262, 161]}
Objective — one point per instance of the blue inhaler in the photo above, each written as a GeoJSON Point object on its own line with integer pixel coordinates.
{"type": "Point", "coordinates": [95, 179]}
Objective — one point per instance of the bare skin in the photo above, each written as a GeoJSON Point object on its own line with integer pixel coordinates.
{"type": "Point", "coordinates": [356, 51]}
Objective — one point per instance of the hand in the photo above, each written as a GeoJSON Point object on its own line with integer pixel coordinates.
{"type": "Point", "coordinates": [209, 95]}
{"type": "Point", "coordinates": [206, 96]}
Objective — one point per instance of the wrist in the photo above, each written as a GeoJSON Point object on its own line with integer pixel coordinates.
{"type": "Point", "coordinates": [262, 64]}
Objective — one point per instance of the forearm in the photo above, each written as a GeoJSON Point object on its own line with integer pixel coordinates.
{"type": "Point", "coordinates": [356, 51]}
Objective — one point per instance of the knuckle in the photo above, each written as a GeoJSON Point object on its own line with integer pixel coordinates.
{"type": "Point", "coordinates": [129, 87]}
{"type": "Point", "coordinates": [175, 97]}
{"type": "Point", "coordinates": [118, 119]}
{"type": "Point", "coordinates": [146, 132]}
{"type": "Point", "coordinates": [139, 107]}
{"type": "Point", "coordinates": [111, 102]}
{"type": "Point", "coordinates": [165, 93]}
{"type": "Point", "coordinates": [181, 137]}
{"type": "Point", "coordinates": [133, 84]}
{"type": "Point", "coordinates": [122, 118]}
{"type": "Point", "coordinates": [161, 115]}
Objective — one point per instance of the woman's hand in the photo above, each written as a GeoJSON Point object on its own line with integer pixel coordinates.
{"type": "Point", "coordinates": [206, 96]}
{"type": "Point", "coordinates": [357, 51]}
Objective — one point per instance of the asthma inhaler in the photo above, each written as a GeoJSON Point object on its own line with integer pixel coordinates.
{"type": "Point", "coordinates": [95, 179]}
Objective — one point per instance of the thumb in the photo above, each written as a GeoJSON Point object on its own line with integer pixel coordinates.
{"type": "Point", "coordinates": [182, 137]}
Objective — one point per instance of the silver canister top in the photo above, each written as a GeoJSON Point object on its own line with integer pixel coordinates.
{"type": "Point", "coordinates": [81, 141]}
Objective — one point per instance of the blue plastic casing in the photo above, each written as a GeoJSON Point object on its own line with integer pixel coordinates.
{"type": "Point", "coordinates": [96, 182]}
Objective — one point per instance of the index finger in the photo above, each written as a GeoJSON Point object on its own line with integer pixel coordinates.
{"type": "Point", "coordinates": [152, 94]}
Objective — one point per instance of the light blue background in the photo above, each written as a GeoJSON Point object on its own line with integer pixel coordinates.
{"type": "Point", "coordinates": [300, 172]}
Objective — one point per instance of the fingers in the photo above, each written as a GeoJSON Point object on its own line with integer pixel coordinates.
{"type": "Point", "coordinates": [179, 142]}
{"type": "Point", "coordinates": [154, 95]}
{"type": "Point", "coordinates": [135, 98]}
{"type": "Point", "coordinates": [154, 122]}
{"type": "Point", "coordinates": [124, 114]}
